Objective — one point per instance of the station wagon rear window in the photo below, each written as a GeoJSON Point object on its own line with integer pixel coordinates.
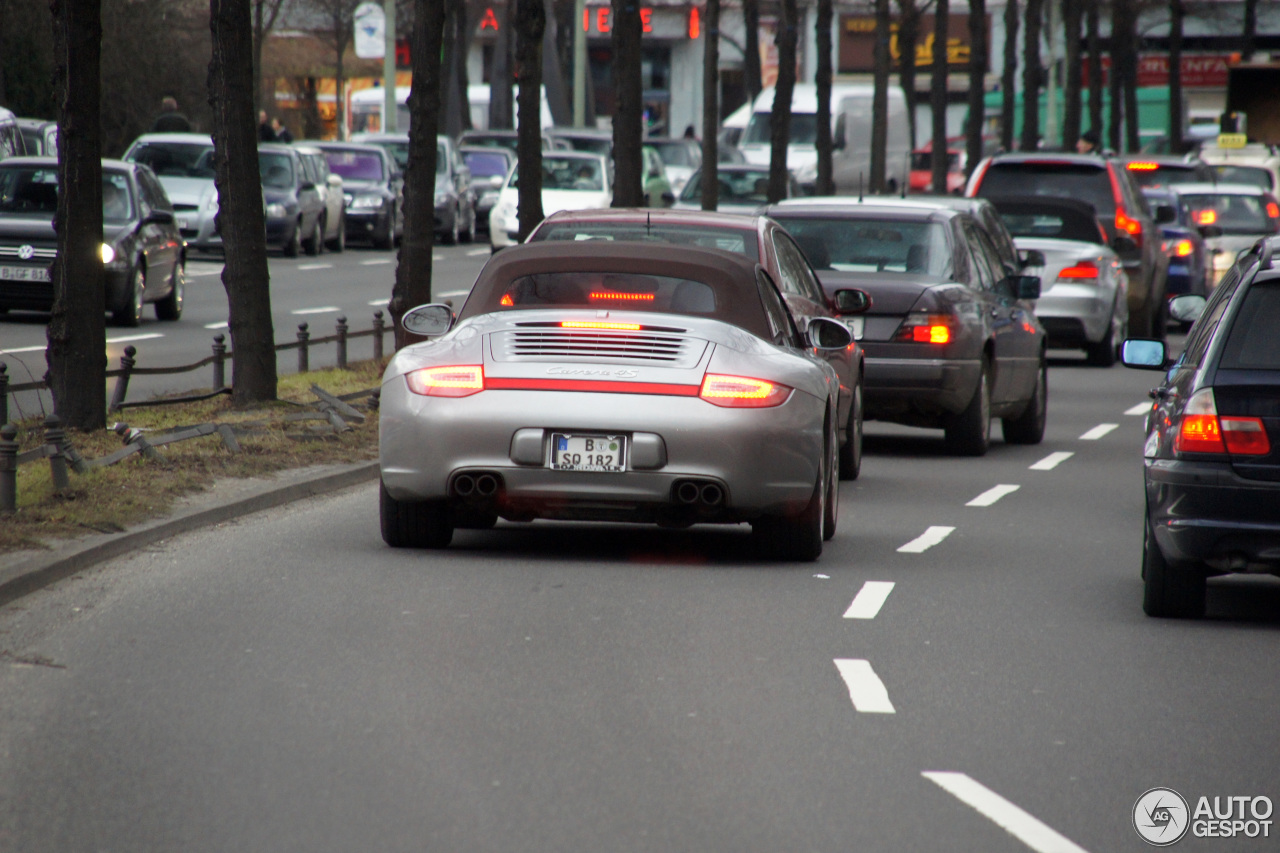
{"type": "Point", "coordinates": [615, 291]}
{"type": "Point", "coordinates": [1253, 341]}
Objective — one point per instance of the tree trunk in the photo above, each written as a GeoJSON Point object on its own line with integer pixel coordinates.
{"type": "Point", "coordinates": [710, 188]}
{"type": "Point", "coordinates": [822, 77]}
{"type": "Point", "coordinates": [780, 120]}
{"type": "Point", "coordinates": [413, 272]}
{"type": "Point", "coordinates": [1177, 13]}
{"type": "Point", "coordinates": [938, 96]}
{"type": "Point", "coordinates": [77, 330]}
{"type": "Point", "coordinates": [977, 83]}
{"type": "Point", "coordinates": [1133, 141]}
{"type": "Point", "coordinates": [1009, 78]}
{"type": "Point", "coordinates": [751, 49]}
{"type": "Point", "coordinates": [531, 25]}
{"type": "Point", "coordinates": [628, 113]}
{"type": "Point", "coordinates": [500, 77]}
{"type": "Point", "coordinates": [455, 102]}
{"type": "Point", "coordinates": [879, 102]}
{"type": "Point", "coordinates": [1115, 87]}
{"type": "Point", "coordinates": [1072, 104]}
{"type": "Point", "coordinates": [240, 215]}
{"type": "Point", "coordinates": [908, 35]}
{"type": "Point", "coordinates": [1093, 44]}
{"type": "Point", "coordinates": [1031, 75]}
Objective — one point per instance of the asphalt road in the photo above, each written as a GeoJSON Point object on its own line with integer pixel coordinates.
{"type": "Point", "coordinates": [288, 683]}
{"type": "Point", "coordinates": [312, 290]}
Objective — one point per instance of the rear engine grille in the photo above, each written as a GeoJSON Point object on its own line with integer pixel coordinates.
{"type": "Point", "coordinates": [550, 344]}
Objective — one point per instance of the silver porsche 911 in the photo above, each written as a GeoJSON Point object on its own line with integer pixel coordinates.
{"type": "Point", "coordinates": [607, 381]}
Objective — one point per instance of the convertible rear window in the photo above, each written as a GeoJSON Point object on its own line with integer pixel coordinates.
{"type": "Point", "coordinates": [617, 291]}
{"type": "Point", "coordinates": [740, 241]}
{"type": "Point", "coordinates": [1253, 342]}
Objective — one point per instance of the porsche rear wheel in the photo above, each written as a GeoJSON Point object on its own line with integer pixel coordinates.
{"type": "Point", "coordinates": [797, 538]}
{"type": "Point", "coordinates": [414, 524]}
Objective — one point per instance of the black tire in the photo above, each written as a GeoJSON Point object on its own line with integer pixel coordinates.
{"type": "Point", "coordinates": [1170, 591]}
{"type": "Point", "coordinates": [170, 308]}
{"type": "Point", "coordinates": [292, 248]}
{"type": "Point", "coordinates": [851, 450]}
{"type": "Point", "coordinates": [129, 311]}
{"type": "Point", "coordinates": [1102, 353]}
{"type": "Point", "coordinates": [314, 244]}
{"type": "Point", "coordinates": [1028, 427]}
{"type": "Point", "coordinates": [831, 505]}
{"type": "Point", "coordinates": [339, 242]}
{"type": "Point", "coordinates": [968, 433]}
{"type": "Point", "coordinates": [796, 538]}
{"type": "Point", "coordinates": [414, 524]}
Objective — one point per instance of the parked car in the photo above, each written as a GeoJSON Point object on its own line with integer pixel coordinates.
{"type": "Point", "coordinates": [508, 139]}
{"type": "Point", "coordinates": [142, 252]}
{"type": "Point", "coordinates": [695, 400]}
{"type": "Point", "coordinates": [1212, 456]}
{"type": "Point", "coordinates": [1105, 183]}
{"type": "Point", "coordinates": [742, 189]}
{"type": "Point", "coordinates": [921, 179]}
{"type": "Point", "coordinates": [657, 186]}
{"type": "Point", "coordinates": [1253, 163]}
{"type": "Point", "coordinates": [1181, 240]}
{"type": "Point", "coordinates": [294, 204]}
{"type": "Point", "coordinates": [455, 202]}
{"type": "Point", "coordinates": [1167, 170]}
{"type": "Point", "coordinates": [755, 237]}
{"type": "Point", "coordinates": [582, 139]}
{"type": "Point", "coordinates": [571, 180]}
{"type": "Point", "coordinates": [681, 157]}
{"type": "Point", "coordinates": [1083, 302]}
{"type": "Point", "coordinates": [1232, 217]}
{"type": "Point", "coordinates": [12, 143]}
{"type": "Point", "coordinates": [332, 228]}
{"type": "Point", "coordinates": [395, 144]}
{"type": "Point", "coordinates": [371, 189]}
{"type": "Point", "coordinates": [184, 164]}
{"type": "Point", "coordinates": [40, 136]}
{"type": "Point", "coordinates": [951, 339]}
{"type": "Point", "coordinates": [489, 167]}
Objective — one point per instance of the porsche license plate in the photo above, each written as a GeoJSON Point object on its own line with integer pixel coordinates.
{"type": "Point", "coordinates": [24, 273]}
{"type": "Point", "coordinates": [574, 452]}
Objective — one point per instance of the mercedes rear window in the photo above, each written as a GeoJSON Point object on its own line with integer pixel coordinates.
{"type": "Point", "coordinates": [1253, 342]}
{"type": "Point", "coordinates": [1063, 180]}
{"type": "Point", "coordinates": [871, 245]}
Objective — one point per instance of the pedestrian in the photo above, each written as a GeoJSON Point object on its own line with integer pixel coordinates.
{"type": "Point", "coordinates": [282, 133]}
{"type": "Point", "coordinates": [170, 120]}
{"type": "Point", "coordinates": [265, 133]}
{"type": "Point", "coordinates": [1090, 142]}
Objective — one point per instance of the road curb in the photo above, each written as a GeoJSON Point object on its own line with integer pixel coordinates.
{"type": "Point", "coordinates": [36, 572]}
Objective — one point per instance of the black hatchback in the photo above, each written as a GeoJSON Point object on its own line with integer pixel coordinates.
{"type": "Point", "coordinates": [1212, 454]}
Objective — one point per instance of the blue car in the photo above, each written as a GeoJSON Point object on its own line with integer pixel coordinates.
{"type": "Point", "coordinates": [1181, 240]}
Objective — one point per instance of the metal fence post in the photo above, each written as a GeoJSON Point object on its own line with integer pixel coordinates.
{"type": "Point", "coordinates": [303, 337]}
{"type": "Point", "coordinates": [219, 362]}
{"type": "Point", "coordinates": [122, 381]}
{"type": "Point", "coordinates": [377, 335]}
{"type": "Point", "coordinates": [53, 434]}
{"type": "Point", "coordinates": [4, 394]}
{"type": "Point", "coordinates": [342, 343]}
{"type": "Point", "coordinates": [8, 468]}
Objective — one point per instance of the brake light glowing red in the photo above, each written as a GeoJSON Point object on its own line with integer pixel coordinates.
{"type": "Point", "coordinates": [742, 392]}
{"type": "Point", "coordinates": [625, 297]}
{"type": "Point", "coordinates": [1205, 217]}
{"type": "Point", "coordinates": [1273, 210]}
{"type": "Point", "coordinates": [1203, 431]}
{"type": "Point", "coordinates": [585, 324]}
{"type": "Point", "coordinates": [1199, 434]}
{"type": "Point", "coordinates": [1127, 224]}
{"type": "Point", "coordinates": [1138, 166]}
{"type": "Point", "coordinates": [922, 328]}
{"type": "Point", "coordinates": [1184, 248]}
{"type": "Point", "coordinates": [1083, 269]}
{"type": "Point", "coordinates": [506, 300]}
{"type": "Point", "coordinates": [455, 381]}
{"type": "Point", "coordinates": [936, 334]}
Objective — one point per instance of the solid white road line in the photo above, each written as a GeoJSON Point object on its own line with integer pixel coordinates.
{"type": "Point", "coordinates": [324, 309]}
{"type": "Point", "coordinates": [376, 262]}
{"type": "Point", "coordinates": [926, 540]}
{"type": "Point", "coordinates": [315, 266]}
{"type": "Point", "coordinates": [867, 603]}
{"type": "Point", "coordinates": [993, 494]}
{"type": "Point", "coordinates": [1003, 813]}
{"type": "Point", "coordinates": [475, 253]}
{"type": "Point", "coordinates": [1053, 460]}
{"type": "Point", "coordinates": [222, 325]}
{"type": "Point", "coordinates": [124, 339]}
{"type": "Point", "coordinates": [1140, 409]}
{"type": "Point", "coordinates": [865, 687]}
{"type": "Point", "coordinates": [1098, 432]}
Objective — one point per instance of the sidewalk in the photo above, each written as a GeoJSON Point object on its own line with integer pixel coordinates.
{"type": "Point", "coordinates": [24, 572]}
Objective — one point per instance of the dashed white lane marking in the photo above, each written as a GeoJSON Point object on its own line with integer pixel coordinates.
{"type": "Point", "coordinates": [1010, 818]}
{"type": "Point", "coordinates": [926, 540]}
{"type": "Point", "coordinates": [380, 303]}
{"type": "Point", "coordinates": [1098, 432]}
{"type": "Point", "coordinates": [376, 262]}
{"type": "Point", "coordinates": [203, 272]}
{"type": "Point", "coordinates": [475, 253]}
{"type": "Point", "coordinates": [454, 293]}
{"type": "Point", "coordinates": [1140, 409]}
{"type": "Point", "coordinates": [315, 266]}
{"type": "Point", "coordinates": [220, 325]}
{"type": "Point", "coordinates": [867, 603]}
{"type": "Point", "coordinates": [993, 494]}
{"type": "Point", "coordinates": [1053, 460]}
{"type": "Point", "coordinates": [124, 339]}
{"type": "Point", "coordinates": [17, 350]}
{"type": "Point", "coordinates": [324, 309]}
{"type": "Point", "coordinates": [865, 687]}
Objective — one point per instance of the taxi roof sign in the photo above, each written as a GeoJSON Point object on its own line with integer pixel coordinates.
{"type": "Point", "coordinates": [1232, 140]}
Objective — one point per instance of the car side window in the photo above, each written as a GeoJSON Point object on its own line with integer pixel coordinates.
{"type": "Point", "coordinates": [1202, 331]}
{"type": "Point", "coordinates": [153, 194]}
{"type": "Point", "coordinates": [797, 279]}
{"type": "Point", "coordinates": [781, 329]}
{"type": "Point", "coordinates": [1000, 239]}
{"type": "Point", "coordinates": [982, 276]}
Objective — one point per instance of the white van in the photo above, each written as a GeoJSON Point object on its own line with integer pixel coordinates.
{"type": "Point", "coordinates": [850, 135]}
{"type": "Point", "coordinates": [366, 108]}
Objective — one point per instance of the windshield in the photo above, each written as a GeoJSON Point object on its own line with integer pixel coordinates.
{"type": "Point", "coordinates": [355, 165]}
{"type": "Point", "coordinates": [176, 159]}
{"type": "Point", "coordinates": [1244, 175]}
{"type": "Point", "coordinates": [1234, 214]}
{"type": "Point", "coordinates": [484, 164]}
{"type": "Point", "coordinates": [674, 153]}
{"type": "Point", "coordinates": [569, 173]}
{"type": "Point", "coordinates": [740, 241]}
{"type": "Point", "coordinates": [591, 144]}
{"type": "Point", "coordinates": [1064, 180]}
{"type": "Point", "coordinates": [276, 170]}
{"type": "Point", "coordinates": [28, 191]}
{"type": "Point", "coordinates": [855, 245]}
{"type": "Point", "coordinates": [804, 129]}
{"type": "Point", "coordinates": [399, 151]}
{"type": "Point", "coordinates": [736, 187]}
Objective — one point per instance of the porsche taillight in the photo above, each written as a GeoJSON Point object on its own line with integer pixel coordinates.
{"type": "Point", "coordinates": [1203, 431]}
{"type": "Point", "coordinates": [454, 381]}
{"type": "Point", "coordinates": [742, 392]}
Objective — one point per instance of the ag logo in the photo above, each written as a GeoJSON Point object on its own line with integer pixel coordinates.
{"type": "Point", "coordinates": [1161, 817]}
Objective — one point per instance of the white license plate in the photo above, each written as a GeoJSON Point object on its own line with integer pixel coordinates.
{"type": "Point", "coordinates": [24, 274]}
{"type": "Point", "coordinates": [183, 222]}
{"type": "Point", "coordinates": [572, 452]}
{"type": "Point", "coordinates": [855, 325]}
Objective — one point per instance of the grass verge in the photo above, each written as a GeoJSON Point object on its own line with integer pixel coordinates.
{"type": "Point", "coordinates": [110, 499]}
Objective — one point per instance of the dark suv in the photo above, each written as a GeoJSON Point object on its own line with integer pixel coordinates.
{"type": "Point", "coordinates": [1212, 466]}
{"type": "Point", "coordinates": [1106, 184]}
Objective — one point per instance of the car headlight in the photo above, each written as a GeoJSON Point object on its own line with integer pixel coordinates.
{"type": "Point", "coordinates": [275, 211]}
{"type": "Point", "coordinates": [366, 202]}
{"type": "Point", "coordinates": [108, 254]}
{"type": "Point", "coordinates": [211, 203]}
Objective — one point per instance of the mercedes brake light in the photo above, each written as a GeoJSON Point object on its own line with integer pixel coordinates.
{"type": "Point", "coordinates": [922, 328]}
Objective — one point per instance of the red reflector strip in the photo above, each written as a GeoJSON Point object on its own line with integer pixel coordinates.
{"type": "Point", "coordinates": [1245, 436]}
{"type": "Point", "coordinates": [603, 386]}
{"type": "Point", "coordinates": [626, 297]}
{"type": "Point", "coordinates": [1080, 270]}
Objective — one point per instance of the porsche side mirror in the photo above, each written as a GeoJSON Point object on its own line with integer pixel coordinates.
{"type": "Point", "coordinates": [827, 334]}
{"type": "Point", "coordinates": [429, 321]}
{"type": "Point", "coordinates": [852, 301]}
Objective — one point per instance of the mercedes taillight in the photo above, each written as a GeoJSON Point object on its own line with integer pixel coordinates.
{"type": "Point", "coordinates": [920, 327]}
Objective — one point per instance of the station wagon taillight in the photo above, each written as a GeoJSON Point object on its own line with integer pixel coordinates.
{"type": "Point", "coordinates": [1203, 431]}
{"type": "Point", "coordinates": [456, 381]}
{"type": "Point", "coordinates": [741, 392]}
